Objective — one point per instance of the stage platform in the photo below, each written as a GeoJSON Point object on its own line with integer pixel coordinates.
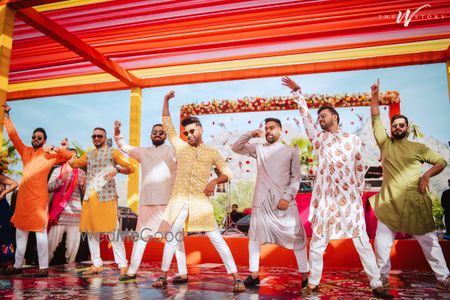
{"type": "Point", "coordinates": [343, 278]}
{"type": "Point", "coordinates": [209, 281]}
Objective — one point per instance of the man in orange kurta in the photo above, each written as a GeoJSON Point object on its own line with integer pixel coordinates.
{"type": "Point", "coordinates": [31, 213]}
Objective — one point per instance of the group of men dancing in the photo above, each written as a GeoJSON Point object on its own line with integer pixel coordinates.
{"type": "Point", "coordinates": [176, 187]}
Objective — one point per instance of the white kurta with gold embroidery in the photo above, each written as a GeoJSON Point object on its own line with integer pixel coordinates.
{"type": "Point", "coordinates": [194, 166]}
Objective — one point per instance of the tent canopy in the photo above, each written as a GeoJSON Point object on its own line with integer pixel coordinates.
{"type": "Point", "coordinates": [67, 47]}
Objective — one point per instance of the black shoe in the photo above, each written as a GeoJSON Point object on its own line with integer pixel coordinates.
{"type": "Point", "coordinates": [304, 283]}
{"type": "Point", "coordinates": [382, 293]}
{"type": "Point", "coordinates": [250, 281]}
{"type": "Point", "coordinates": [127, 277]}
{"type": "Point", "coordinates": [180, 280]}
{"type": "Point", "coordinates": [11, 271]}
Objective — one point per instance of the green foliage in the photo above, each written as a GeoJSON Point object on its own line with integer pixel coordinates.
{"type": "Point", "coordinates": [12, 156]}
{"type": "Point", "coordinates": [80, 150]}
{"type": "Point", "coordinates": [307, 159]}
{"type": "Point", "coordinates": [241, 194]}
{"type": "Point", "coordinates": [438, 210]}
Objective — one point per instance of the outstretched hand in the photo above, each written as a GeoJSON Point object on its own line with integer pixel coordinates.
{"type": "Point", "coordinates": [375, 88]}
{"type": "Point", "coordinates": [117, 126]}
{"type": "Point", "coordinates": [169, 95]}
{"type": "Point", "coordinates": [286, 81]}
{"type": "Point", "coordinates": [65, 143]}
{"type": "Point", "coordinates": [257, 133]}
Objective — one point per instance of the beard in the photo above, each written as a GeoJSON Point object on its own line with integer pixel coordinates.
{"type": "Point", "coordinates": [157, 143]}
{"type": "Point", "coordinates": [399, 135]}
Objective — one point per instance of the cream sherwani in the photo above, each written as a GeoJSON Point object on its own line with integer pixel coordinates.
{"type": "Point", "coordinates": [278, 177]}
{"type": "Point", "coordinates": [158, 170]}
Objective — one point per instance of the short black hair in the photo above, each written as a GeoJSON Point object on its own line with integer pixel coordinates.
{"type": "Point", "coordinates": [234, 205]}
{"type": "Point", "coordinates": [40, 129]}
{"type": "Point", "coordinates": [191, 120]}
{"type": "Point", "coordinates": [332, 110]}
{"type": "Point", "coordinates": [156, 125]}
{"type": "Point", "coordinates": [273, 120]}
{"type": "Point", "coordinates": [100, 128]}
{"type": "Point", "coordinates": [395, 117]}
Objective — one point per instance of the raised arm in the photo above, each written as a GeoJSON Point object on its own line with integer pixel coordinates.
{"type": "Point", "coordinates": [132, 151]}
{"type": "Point", "coordinates": [174, 139]}
{"type": "Point", "coordinates": [242, 145]}
{"type": "Point", "coordinates": [379, 131]}
{"type": "Point", "coordinates": [12, 133]}
{"type": "Point", "coordinates": [310, 126]}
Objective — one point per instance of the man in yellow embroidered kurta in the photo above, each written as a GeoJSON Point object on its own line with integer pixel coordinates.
{"type": "Point", "coordinates": [189, 200]}
{"type": "Point", "coordinates": [31, 213]}
{"type": "Point", "coordinates": [99, 210]}
{"type": "Point", "coordinates": [194, 165]}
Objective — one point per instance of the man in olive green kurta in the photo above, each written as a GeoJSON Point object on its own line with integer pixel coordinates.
{"type": "Point", "coordinates": [403, 205]}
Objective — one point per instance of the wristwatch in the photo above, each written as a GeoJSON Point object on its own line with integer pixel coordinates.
{"type": "Point", "coordinates": [117, 168]}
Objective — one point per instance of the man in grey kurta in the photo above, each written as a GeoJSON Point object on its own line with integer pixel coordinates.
{"type": "Point", "coordinates": [403, 205]}
{"type": "Point", "coordinates": [275, 218]}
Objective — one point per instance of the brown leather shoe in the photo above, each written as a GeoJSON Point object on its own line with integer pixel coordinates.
{"type": "Point", "coordinates": [93, 270]}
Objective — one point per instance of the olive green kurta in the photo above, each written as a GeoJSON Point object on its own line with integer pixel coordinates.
{"type": "Point", "coordinates": [399, 205]}
{"type": "Point", "coordinates": [194, 166]}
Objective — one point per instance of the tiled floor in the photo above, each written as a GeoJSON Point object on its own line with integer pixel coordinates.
{"type": "Point", "coordinates": [209, 281]}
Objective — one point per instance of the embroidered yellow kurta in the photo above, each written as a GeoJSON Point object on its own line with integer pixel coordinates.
{"type": "Point", "coordinates": [96, 215]}
{"type": "Point", "coordinates": [194, 166]}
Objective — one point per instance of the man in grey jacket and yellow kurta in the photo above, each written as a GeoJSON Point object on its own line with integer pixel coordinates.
{"type": "Point", "coordinates": [402, 205]}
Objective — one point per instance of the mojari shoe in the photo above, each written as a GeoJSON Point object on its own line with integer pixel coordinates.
{"type": "Point", "coordinates": [380, 292]}
{"type": "Point", "coordinates": [180, 280]}
{"type": "Point", "coordinates": [11, 271]}
{"type": "Point", "coordinates": [127, 277]}
{"type": "Point", "coordinates": [444, 284]}
{"type": "Point", "coordinates": [250, 281]}
{"type": "Point", "coordinates": [385, 281]}
{"type": "Point", "coordinates": [93, 270]}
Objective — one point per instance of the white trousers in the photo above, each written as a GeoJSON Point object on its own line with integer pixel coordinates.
{"type": "Point", "coordinates": [73, 236]}
{"type": "Point", "coordinates": [120, 256]}
{"type": "Point", "coordinates": [214, 236]}
{"type": "Point", "coordinates": [362, 244]}
{"type": "Point", "coordinates": [428, 242]}
{"type": "Point", "coordinates": [254, 249]}
{"type": "Point", "coordinates": [21, 247]}
{"type": "Point", "coordinates": [138, 251]}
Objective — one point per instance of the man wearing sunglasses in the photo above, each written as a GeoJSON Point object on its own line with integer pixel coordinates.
{"type": "Point", "coordinates": [190, 195]}
{"type": "Point", "coordinates": [158, 175]}
{"type": "Point", "coordinates": [275, 218]}
{"type": "Point", "coordinates": [336, 210]}
{"type": "Point", "coordinates": [403, 205]}
{"type": "Point", "coordinates": [99, 209]}
{"type": "Point", "coordinates": [31, 213]}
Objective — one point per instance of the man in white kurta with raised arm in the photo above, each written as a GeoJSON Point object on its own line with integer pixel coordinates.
{"type": "Point", "coordinates": [336, 210]}
{"type": "Point", "coordinates": [275, 218]}
{"type": "Point", "coordinates": [158, 170]}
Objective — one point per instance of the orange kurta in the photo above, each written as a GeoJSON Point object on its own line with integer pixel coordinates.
{"type": "Point", "coordinates": [31, 212]}
{"type": "Point", "coordinates": [96, 215]}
